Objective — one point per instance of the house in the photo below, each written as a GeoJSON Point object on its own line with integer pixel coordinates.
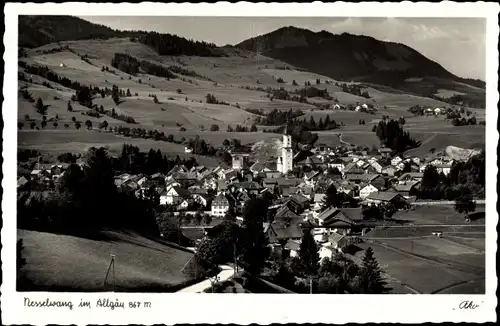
{"type": "Point", "coordinates": [21, 182]}
{"type": "Point", "coordinates": [389, 170]}
{"type": "Point", "coordinates": [184, 204]}
{"type": "Point", "coordinates": [288, 232]}
{"type": "Point", "coordinates": [366, 190]}
{"type": "Point", "coordinates": [201, 199]}
{"type": "Point", "coordinates": [298, 203]}
{"type": "Point", "coordinates": [385, 151]}
{"type": "Point", "coordinates": [220, 205]}
{"type": "Point", "coordinates": [239, 160]}
{"type": "Point", "coordinates": [444, 168]}
{"type": "Point", "coordinates": [375, 179]}
{"type": "Point", "coordinates": [396, 160]}
{"type": "Point", "coordinates": [352, 168]}
{"type": "Point", "coordinates": [173, 195]}
{"type": "Point", "coordinates": [273, 174]}
{"type": "Point", "coordinates": [287, 216]}
{"type": "Point", "coordinates": [336, 219]}
{"type": "Point", "coordinates": [387, 197]}
{"type": "Point", "coordinates": [338, 241]}
{"type": "Point", "coordinates": [270, 233]}
{"type": "Point", "coordinates": [405, 188]}
{"type": "Point", "coordinates": [411, 176]}
{"type": "Point", "coordinates": [337, 163]}
{"type": "Point", "coordinates": [325, 251]}
{"type": "Point", "coordinates": [293, 246]}
{"type": "Point", "coordinates": [375, 165]}
{"type": "Point", "coordinates": [318, 201]}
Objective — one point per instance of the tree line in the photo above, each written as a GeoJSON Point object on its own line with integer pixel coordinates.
{"type": "Point", "coordinates": [392, 135]}
{"type": "Point", "coordinates": [86, 200]}
{"type": "Point", "coordinates": [464, 179]}
{"type": "Point", "coordinates": [168, 44]}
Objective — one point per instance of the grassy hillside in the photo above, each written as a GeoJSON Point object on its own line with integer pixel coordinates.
{"type": "Point", "coordinates": [238, 80]}
{"type": "Point", "coordinates": [67, 263]}
{"type": "Point", "coordinates": [364, 59]}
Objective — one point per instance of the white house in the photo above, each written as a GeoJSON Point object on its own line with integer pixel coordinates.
{"type": "Point", "coordinates": [443, 168]}
{"type": "Point", "coordinates": [201, 199]}
{"type": "Point", "coordinates": [173, 195]}
{"type": "Point", "coordinates": [367, 190]}
{"type": "Point", "coordinates": [326, 251]}
{"type": "Point", "coordinates": [220, 205]}
{"type": "Point", "coordinates": [376, 165]}
{"type": "Point", "coordinates": [396, 160]}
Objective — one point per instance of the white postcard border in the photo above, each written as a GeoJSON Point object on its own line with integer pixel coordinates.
{"type": "Point", "coordinates": [251, 308]}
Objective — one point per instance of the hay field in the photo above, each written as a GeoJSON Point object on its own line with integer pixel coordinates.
{"type": "Point", "coordinates": [66, 263]}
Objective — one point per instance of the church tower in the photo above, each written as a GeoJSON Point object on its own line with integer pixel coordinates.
{"type": "Point", "coordinates": [286, 153]}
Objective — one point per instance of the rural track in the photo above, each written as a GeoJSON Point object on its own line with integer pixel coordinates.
{"type": "Point", "coordinates": [462, 267]}
{"type": "Point", "coordinates": [455, 284]}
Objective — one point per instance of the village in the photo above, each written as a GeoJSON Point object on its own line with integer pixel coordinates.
{"type": "Point", "coordinates": [204, 196]}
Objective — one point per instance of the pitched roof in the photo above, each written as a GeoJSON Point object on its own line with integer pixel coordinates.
{"type": "Point", "coordinates": [383, 195]}
{"type": "Point", "coordinates": [366, 177]}
{"type": "Point", "coordinates": [407, 186]}
{"type": "Point", "coordinates": [292, 245]}
{"type": "Point", "coordinates": [335, 237]}
{"type": "Point", "coordinates": [290, 232]}
{"type": "Point", "coordinates": [284, 212]}
{"type": "Point", "coordinates": [417, 175]}
{"type": "Point", "coordinates": [181, 191]}
{"type": "Point", "coordinates": [318, 198]}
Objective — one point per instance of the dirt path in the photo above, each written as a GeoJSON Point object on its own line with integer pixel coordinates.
{"type": "Point", "coordinates": [225, 273]}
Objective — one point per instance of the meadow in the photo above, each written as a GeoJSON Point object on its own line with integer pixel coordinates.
{"type": "Point", "coordinates": [182, 100]}
{"type": "Point", "coordinates": [66, 263]}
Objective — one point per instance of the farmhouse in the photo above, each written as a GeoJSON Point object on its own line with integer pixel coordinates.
{"type": "Point", "coordinates": [387, 197]}
{"type": "Point", "coordinates": [405, 188]}
{"type": "Point", "coordinates": [366, 190]}
{"type": "Point", "coordinates": [173, 195]}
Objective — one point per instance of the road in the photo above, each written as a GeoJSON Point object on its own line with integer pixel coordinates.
{"type": "Point", "coordinates": [226, 273]}
{"type": "Point", "coordinates": [445, 202]}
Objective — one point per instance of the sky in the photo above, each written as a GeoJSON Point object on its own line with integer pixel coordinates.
{"type": "Point", "coordinates": [458, 44]}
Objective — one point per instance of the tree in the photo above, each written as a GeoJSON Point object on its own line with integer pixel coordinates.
{"type": "Point", "coordinates": [253, 128]}
{"type": "Point", "coordinates": [40, 107]}
{"type": "Point", "coordinates": [214, 127]}
{"type": "Point", "coordinates": [20, 125]}
{"type": "Point", "coordinates": [198, 218]}
{"type": "Point", "coordinates": [372, 281]}
{"type": "Point", "coordinates": [207, 219]}
{"type": "Point", "coordinates": [55, 124]}
{"type": "Point", "coordinates": [430, 178]}
{"type": "Point", "coordinates": [218, 247]}
{"type": "Point", "coordinates": [332, 198]}
{"type": "Point", "coordinates": [32, 125]}
{"type": "Point", "coordinates": [401, 121]}
{"type": "Point", "coordinates": [254, 241]}
{"type": "Point", "coordinates": [70, 108]}
{"type": "Point", "coordinates": [78, 125]}
{"type": "Point", "coordinates": [115, 94]}
{"type": "Point", "coordinates": [26, 117]}
{"type": "Point", "coordinates": [465, 205]}
{"type": "Point", "coordinates": [88, 124]}
{"type": "Point", "coordinates": [44, 124]}
{"type": "Point", "coordinates": [128, 92]}
{"type": "Point", "coordinates": [308, 254]}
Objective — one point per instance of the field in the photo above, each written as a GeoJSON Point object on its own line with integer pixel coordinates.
{"type": "Point", "coordinates": [183, 101]}
{"type": "Point", "coordinates": [415, 259]}
{"type": "Point", "coordinates": [65, 263]}
{"type": "Point", "coordinates": [428, 266]}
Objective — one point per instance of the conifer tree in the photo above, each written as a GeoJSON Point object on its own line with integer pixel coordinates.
{"type": "Point", "coordinates": [372, 281]}
{"type": "Point", "coordinates": [308, 254]}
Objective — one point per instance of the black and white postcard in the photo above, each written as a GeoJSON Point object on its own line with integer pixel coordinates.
{"type": "Point", "coordinates": [249, 163]}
